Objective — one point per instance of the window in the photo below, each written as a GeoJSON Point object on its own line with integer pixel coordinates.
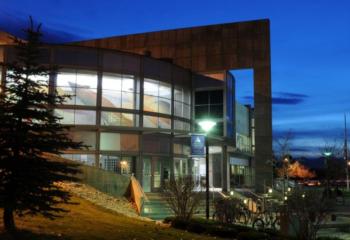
{"type": "Point", "coordinates": [80, 85]}
{"type": "Point", "coordinates": [119, 142]}
{"type": "Point", "coordinates": [88, 138]}
{"type": "Point", "coordinates": [182, 103]}
{"type": "Point", "coordinates": [121, 165]}
{"type": "Point", "coordinates": [76, 117]}
{"type": "Point", "coordinates": [119, 119]}
{"type": "Point", "coordinates": [42, 81]}
{"type": "Point", "coordinates": [110, 141]}
{"type": "Point", "coordinates": [129, 142]}
{"type": "Point", "coordinates": [88, 159]}
{"type": "Point", "coordinates": [157, 96]}
{"type": "Point", "coordinates": [156, 122]}
{"type": "Point", "coordinates": [181, 125]}
{"type": "Point", "coordinates": [150, 121]}
{"type": "Point", "coordinates": [209, 104]}
{"type": "Point", "coordinates": [119, 91]}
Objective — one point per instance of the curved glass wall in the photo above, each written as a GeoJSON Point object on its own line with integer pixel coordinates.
{"type": "Point", "coordinates": [156, 96]}
{"type": "Point", "coordinates": [81, 85]}
{"type": "Point", "coordinates": [119, 91]}
{"type": "Point", "coordinates": [104, 108]}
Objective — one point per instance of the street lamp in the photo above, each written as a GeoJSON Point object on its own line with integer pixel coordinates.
{"type": "Point", "coordinates": [206, 126]}
{"type": "Point", "coordinates": [285, 172]}
{"type": "Point", "coordinates": [327, 155]}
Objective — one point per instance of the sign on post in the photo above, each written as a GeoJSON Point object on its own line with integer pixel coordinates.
{"type": "Point", "coordinates": [198, 145]}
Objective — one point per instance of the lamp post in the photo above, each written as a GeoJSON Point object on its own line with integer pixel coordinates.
{"type": "Point", "coordinates": [327, 155]}
{"type": "Point", "coordinates": [206, 125]}
{"type": "Point", "coordinates": [285, 173]}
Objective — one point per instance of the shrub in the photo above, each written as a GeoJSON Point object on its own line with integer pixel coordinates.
{"type": "Point", "coordinates": [181, 198]}
{"type": "Point", "coordinates": [168, 219]}
{"type": "Point", "coordinates": [228, 210]}
{"type": "Point", "coordinates": [344, 229]}
{"type": "Point", "coordinates": [179, 223]}
{"type": "Point", "coordinates": [196, 227]}
{"type": "Point", "coordinates": [252, 235]}
{"type": "Point", "coordinates": [224, 232]}
{"type": "Point", "coordinates": [328, 238]}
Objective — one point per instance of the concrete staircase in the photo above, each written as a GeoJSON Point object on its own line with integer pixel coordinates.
{"type": "Point", "coordinates": [156, 207]}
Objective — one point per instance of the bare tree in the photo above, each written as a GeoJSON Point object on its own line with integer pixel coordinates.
{"type": "Point", "coordinates": [282, 156]}
{"type": "Point", "coordinates": [181, 198]}
{"type": "Point", "coordinates": [306, 211]}
{"type": "Point", "coordinates": [333, 165]}
{"type": "Point", "coordinates": [283, 145]}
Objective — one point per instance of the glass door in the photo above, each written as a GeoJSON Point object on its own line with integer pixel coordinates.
{"type": "Point", "coordinates": [152, 174]}
{"type": "Point", "coordinates": [157, 174]}
{"type": "Point", "coordinates": [147, 174]}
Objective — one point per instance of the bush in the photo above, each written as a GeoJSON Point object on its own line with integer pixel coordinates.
{"type": "Point", "coordinates": [344, 229]}
{"type": "Point", "coordinates": [224, 232]}
{"type": "Point", "coordinates": [179, 223]}
{"type": "Point", "coordinates": [328, 238]}
{"type": "Point", "coordinates": [168, 219]}
{"type": "Point", "coordinates": [196, 227]}
{"type": "Point", "coordinates": [252, 235]}
{"type": "Point", "coordinates": [217, 229]}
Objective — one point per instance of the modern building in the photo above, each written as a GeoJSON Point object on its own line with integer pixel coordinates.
{"type": "Point", "coordinates": [137, 98]}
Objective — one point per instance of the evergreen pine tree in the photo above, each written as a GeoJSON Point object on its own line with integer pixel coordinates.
{"type": "Point", "coordinates": [29, 129]}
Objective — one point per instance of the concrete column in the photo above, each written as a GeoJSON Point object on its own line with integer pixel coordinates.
{"type": "Point", "coordinates": [225, 170]}
{"type": "Point", "coordinates": [263, 127]}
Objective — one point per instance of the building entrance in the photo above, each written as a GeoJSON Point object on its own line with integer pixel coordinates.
{"type": "Point", "coordinates": [155, 172]}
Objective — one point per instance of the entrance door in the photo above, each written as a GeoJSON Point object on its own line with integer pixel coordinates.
{"type": "Point", "coordinates": [152, 174]}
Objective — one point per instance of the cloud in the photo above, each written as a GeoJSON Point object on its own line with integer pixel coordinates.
{"type": "Point", "coordinates": [284, 98]}
{"type": "Point", "coordinates": [326, 133]}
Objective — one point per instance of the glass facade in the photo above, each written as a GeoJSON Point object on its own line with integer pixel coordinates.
{"type": "Point", "coordinates": [210, 105]}
{"type": "Point", "coordinates": [157, 96]}
{"type": "Point", "coordinates": [243, 128]}
{"type": "Point", "coordinates": [123, 165]}
{"type": "Point", "coordinates": [110, 101]}
{"type": "Point", "coordinates": [81, 85]}
{"type": "Point", "coordinates": [132, 120]}
{"type": "Point", "coordinates": [119, 91]}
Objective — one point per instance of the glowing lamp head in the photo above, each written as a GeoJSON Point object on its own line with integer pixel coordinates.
{"type": "Point", "coordinates": [270, 190]}
{"type": "Point", "coordinates": [206, 125]}
{"type": "Point", "coordinates": [231, 193]}
{"type": "Point", "coordinates": [327, 154]}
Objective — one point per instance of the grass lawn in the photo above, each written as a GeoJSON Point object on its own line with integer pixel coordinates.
{"type": "Point", "coordinates": [87, 221]}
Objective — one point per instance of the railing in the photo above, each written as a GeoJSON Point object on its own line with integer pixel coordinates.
{"type": "Point", "coordinates": [105, 181]}
{"type": "Point", "coordinates": [137, 194]}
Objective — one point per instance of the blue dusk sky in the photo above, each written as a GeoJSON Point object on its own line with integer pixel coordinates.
{"type": "Point", "coordinates": [310, 49]}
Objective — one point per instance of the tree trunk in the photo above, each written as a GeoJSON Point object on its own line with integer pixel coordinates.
{"type": "Point", "coordinates": [9, 222]}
